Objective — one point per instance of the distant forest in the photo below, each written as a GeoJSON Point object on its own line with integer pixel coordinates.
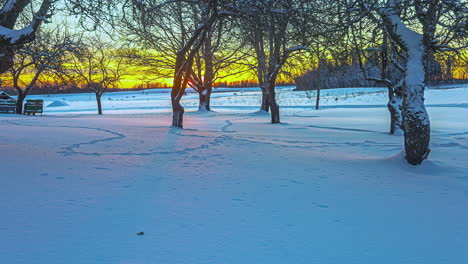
{"type": "Point", "coordinates": [53, 88]}
{"type": "Point", "coordinates": [336, 73]}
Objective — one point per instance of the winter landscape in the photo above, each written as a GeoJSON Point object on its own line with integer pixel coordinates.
{"type": "Point", "coordinates": [222, 131]}
{"type": "Point", "coordinates": [327, 186]}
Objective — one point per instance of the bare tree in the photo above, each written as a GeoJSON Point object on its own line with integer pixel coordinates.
{"type": "Point", "coordinates": [15, 14]}
{"type": "Point", "coordinates": [379, 58]}
{"type": "Point", "coordinates": [162, 36]}
{"type": "Point", "coordinates": [153, 23]}
{"type": "Point", "coordinates": [218, 58]}
{"type": "Point", "coordinates": [150, 23]}
{"type": "Point", "coordinates": [98, 67]}
{"type": "Point", "coordinates": [273, 29]}
{"type": "Point", "coordinates": [318, 51]}
{"type": "Point", "coordinates": [43, 58]}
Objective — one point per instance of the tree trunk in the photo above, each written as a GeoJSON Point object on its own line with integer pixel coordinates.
{"type": "Point", "coordinates": [208, 98]}
{"type": "Point", "coordinates": [203, 105]}
{"type": "Point", "coordinates": [275, 114]}
{"type": "Point", "coordinates": [265, 101]}
{"type": "Point", "coordinates": [317, 100]}
{"type": "Point", "coordinates": [319, 82]}
{"type": "Point", "coordinates": [178, 90]}
{"type": "Point", "coordinates": [204, 99]}
{"type": "Point", "coordinates": [416, 122]}
{"type": "Point", "coordinates": [177, 114]}
{"type": "Point", "coordinates": [396, 119]}
{"type": "Point", "coordinates": [19, 103]}
{"type": "Point", "coordinates": [99, 105]}
{"type": "Point", "coordinates": [415, 118]}
{"type": "Point", "coordinates": [208, 79]}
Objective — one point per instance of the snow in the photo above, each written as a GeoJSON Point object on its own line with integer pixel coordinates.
{"type": "Point", "coordinates": [415, 74]}
{"type": "Point", "coordinates": [245, 100]}
{"type": "Point", "coordinates": [8, 6]}
{"type": "Point", "coordinates": [327, 186]}
{"type": "Point", "coordinates": [14, 35]}
{"type": "Point", "coordinates": [57, 104]}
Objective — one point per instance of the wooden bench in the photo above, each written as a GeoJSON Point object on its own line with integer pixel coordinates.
{"type": "Point", "coordinates": [33, 107]}
{"type": "Point", "coordinates": [8, 106]}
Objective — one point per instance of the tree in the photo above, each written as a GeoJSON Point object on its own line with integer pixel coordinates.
{"type": "Point", "coordinates": [379, 59]}
{"type": "Point", "coordinates": [43, 58]}
{"type": "Point", "coordinates": [12, 16]}
{"type": "Point", "coordinates": [98, 67]}
{"type": "Point", "coordinates": [313, 80]}
{"type": "Point", "coordinates": [417, 27]}
{"type": "Point", "coordinates": [159, 15]}
{"type": "Point", "coordinates": [220, 52]}
{"type": "Point", "coordinates": [273, 29]}
{"type": "Point", "coordinates": [149, 22]}
{"type": "Point", "coordinates": [162, 36]}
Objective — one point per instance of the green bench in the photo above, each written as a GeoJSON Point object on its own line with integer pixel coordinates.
{"type": "Point", "coordinates": [33, 107]}
{"type": "Point", "coordinates": [7, 106]}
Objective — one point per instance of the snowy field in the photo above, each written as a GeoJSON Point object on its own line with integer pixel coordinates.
{"type": "Point", "coordinates": [327, 186]}
{"type": "Point", "coordinates": [245, 100]}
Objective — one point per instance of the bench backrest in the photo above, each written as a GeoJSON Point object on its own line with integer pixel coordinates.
{"type": "Point", "coordinates": [8, 102]}
{"type": "Point", "coordinates": [34, 105]}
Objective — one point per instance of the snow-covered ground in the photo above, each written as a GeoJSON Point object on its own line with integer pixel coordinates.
{"type": "Point", "coordinates": [243, 100]}
{"type": "Point", "coordinates": [327, 186]}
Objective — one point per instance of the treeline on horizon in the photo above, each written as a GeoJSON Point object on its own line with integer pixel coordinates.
{"type": "Point", "coordinates": [347, 72]}
{"type": "Point", "coordinates": [51, 88]}
{"type": "Point", "coordinates": [54, 88]}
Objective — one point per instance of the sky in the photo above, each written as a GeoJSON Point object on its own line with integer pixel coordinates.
{"type": "Point", "coordinates": [135, 75]}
